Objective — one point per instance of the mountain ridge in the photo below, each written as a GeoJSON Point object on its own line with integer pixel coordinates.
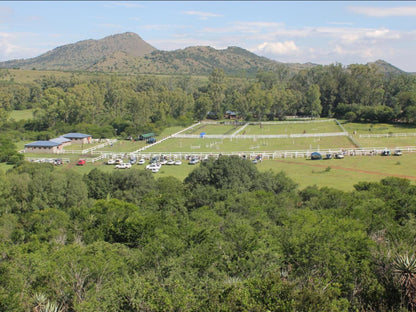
{"type": "Point", "coordinates": [129, 53]}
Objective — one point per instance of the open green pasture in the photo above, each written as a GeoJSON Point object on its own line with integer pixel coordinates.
{"type": "Point", "coordinates": [236, 145]}
{"type": "Point", "coordinates": [380, 128]}
{"type": "Point", "coordinates": [23, 114]}
{"type": "Point", "coordinates": [212, 129]}
{"type": "Point", "coordinates": [292, 128]}
{"type": "Point", "coordinates": [389, 142]}
{"type": "Point", "coordinates": [343, 173]}
{"type": "Point", "coordinates": [122, 146]}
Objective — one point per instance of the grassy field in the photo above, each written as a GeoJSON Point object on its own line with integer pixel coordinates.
{"type": "Point", "coordinates": [212, 129]}
{"type": "Point", "coordinates": [236, 145]}
{"type": "Point", "coordinates": [295, 128]}
{"type": "Point", "coordinates": [22, 114]}
{"type": "Point", "coordinates": [343, 173]}
{"type": "Point", "coordinates": [381, 128]}
{"type": "Point", "coordinates": [389, 142]}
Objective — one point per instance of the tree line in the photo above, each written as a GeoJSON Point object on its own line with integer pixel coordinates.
{"type": "Point", "coordinates": [105, 105]}
{"type": "Point", "coordinates": [227, 238]}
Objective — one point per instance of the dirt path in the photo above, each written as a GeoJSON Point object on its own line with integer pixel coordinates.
{"type": "Point", "coordinates": [349, 169]}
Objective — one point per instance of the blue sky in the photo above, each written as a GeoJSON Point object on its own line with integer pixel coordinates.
{"type": "Point", "coordinates": [322, 32]}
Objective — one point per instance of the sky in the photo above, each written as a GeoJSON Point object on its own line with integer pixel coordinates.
{"type": "Point", "coordinates": [321, 32]}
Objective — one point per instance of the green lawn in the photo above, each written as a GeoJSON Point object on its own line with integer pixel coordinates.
{"type": "Point", "coordinates": [389, 142]}
{"type": "Point", "coordinates": [212, 129]}
{"type": "Point", "coordinates": [369, 128]}
{"type": "Point", "coordinates": [236, 145]}
{"type": "Point", "coordinates": [293, 128]}
{"type": "Point", "coordinates": [22, 114]}
{"type": "Point", "coordinates": [305, 173]}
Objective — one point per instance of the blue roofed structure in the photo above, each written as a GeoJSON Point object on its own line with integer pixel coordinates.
{"type": "Point", "coordinates": [61, 140]}
{"type": "Point", "coordinates": [78, 137]}
{"type": "Point", "coordinates": [43, 147]}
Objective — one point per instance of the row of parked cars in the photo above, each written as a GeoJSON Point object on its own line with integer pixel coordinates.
{"type": "Point", "coordinates": [154, 165]}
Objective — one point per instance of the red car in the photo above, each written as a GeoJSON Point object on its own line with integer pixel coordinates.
{"type": "Point", "coordinates": [81, 162]}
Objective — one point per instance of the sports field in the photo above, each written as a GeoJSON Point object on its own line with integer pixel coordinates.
{"type": "Point", "coordinates": [237, 145]}
{"type": "Point", "coordinates": [292, 128]}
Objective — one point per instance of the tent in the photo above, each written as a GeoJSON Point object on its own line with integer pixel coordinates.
{"type": "Point", "coordinates": [202, 134]}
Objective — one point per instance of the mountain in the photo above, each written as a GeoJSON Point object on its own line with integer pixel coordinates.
{"type": "Point", "coordinates": [128, 53]}
{"type": "Point", "coordinates": [387, 68]}
{"type": "Point", "coordinates": [198, 60]}
{"type": "Point", "coordinates": [83, 54]}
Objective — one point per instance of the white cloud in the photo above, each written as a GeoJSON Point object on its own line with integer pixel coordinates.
{"type": "Point", "coordinates": [386, 11]}
{"type": "Point", "coordinates": [286, 47]}
{"type": "Point", "coordinates": [12, 46]}
{"type": "Point", "coordinates": [202, 15]}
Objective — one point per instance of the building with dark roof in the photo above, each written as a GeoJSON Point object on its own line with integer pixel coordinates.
{"type": "Point", "coordinates": [62, 140]}
{"type": "Point", "coordinates": [43, 147]}
{"type": "Point", "coordinates": [78, 137]}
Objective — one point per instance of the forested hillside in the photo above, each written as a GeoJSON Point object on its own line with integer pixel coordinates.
{"type": "Point", "coordinates": [227, 239]}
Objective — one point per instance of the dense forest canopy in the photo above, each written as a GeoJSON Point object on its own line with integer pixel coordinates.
{"type": "Point", "coordinates": [228, 238]}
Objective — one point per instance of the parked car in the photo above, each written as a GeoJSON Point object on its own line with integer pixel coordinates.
{"type": "Point", "coordinates": [111, 162]}
{"type": "Point", "coordinates": [339, 156]}
{"type": "Point", "coordinates": [385, 153]}
{"type": "Point", "coordinates": [153, 166]}
{"type": "Point", "coordinates": [178, 162]}
{"type": "Point", "coordinates": [193, 161]}
{"type": "Point", "coordinates": [81, 162]}
{"type": "Point", "coordinates": [170, 162]}
{"type": "Point", "coordinates": [141, 161]}
{"type": "Point", "coordinates": [57, 161]}
{"type": "Point", "coordinates": [123, 166]}
{"type": "Point", "coordinates": [154, 170]}
{"type": "Point", "coordinates": [397, 153]}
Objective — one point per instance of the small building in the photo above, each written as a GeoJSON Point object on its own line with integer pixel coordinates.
{"type": "Point", "coordinates": [78, 137]}
{"type": "Point", "coordinates": [62, 140]}
{"type": "Point", "coordinates": [230, 115]}
{"type": "Point", "coordinates": [146, 136]}
{"type": "Point", "coordinates": [43, 147]}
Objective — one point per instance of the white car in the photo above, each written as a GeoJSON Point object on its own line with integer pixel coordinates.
{"type": "Point", "coordinates": [339, 156]}
{"type": "Point", "coordinates": [141, 161]}
{"type": "Point", "coordinates": [170, 162]}
{"type": "Point", "coordinates": [111, 162]}
{"type": "Point", "coordinates": [154, 170]}
{"type": "Point", "coordinates": [153, 166]}
{"type": "Point", "coordinates": [163, 162]}
{"type": "Point", "coordinates": [178, 162]}
{"type": "Point", "coordinates": [123, 166]}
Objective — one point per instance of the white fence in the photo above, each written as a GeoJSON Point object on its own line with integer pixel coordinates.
{"type": "Point", "coordinates": [386, 135]}
{"type": "Point", "coordinates": [368, 151]}
{"type": "Point", "coordinates": [261, 136]}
